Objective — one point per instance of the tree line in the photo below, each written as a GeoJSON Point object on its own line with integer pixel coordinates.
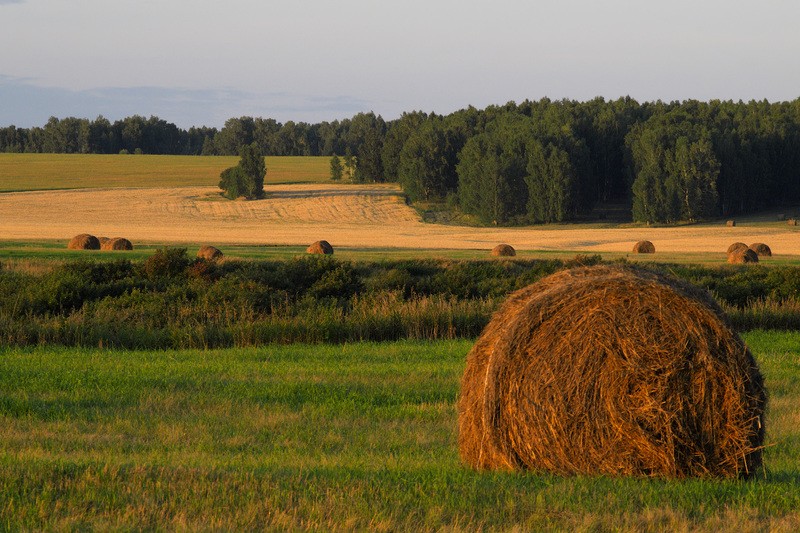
{"type": "Point", "coordinates": [536, 161]}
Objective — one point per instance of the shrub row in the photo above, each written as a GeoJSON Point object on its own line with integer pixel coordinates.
{"type": "Point", "coordinates": [170, 301]}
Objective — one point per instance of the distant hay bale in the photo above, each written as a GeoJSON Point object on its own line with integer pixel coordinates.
{"type": "Point", "coordinates": [84, 241]}
{"type": "Point", "coordinates": [737, 246]}
{"type": "Point", "coordinates": [504, 250]}
{"type": "Point", "coordinates": [730, 223]}
{"type": "Point", "coordinates": [117, 243]}
{"type": "Point", "coordinates": [761, 249]}
{"type": "Point", "coordinates": [209, 253]}
{"type": "Point", "coordinates": [740, 255]}
{"type": "Point", "coordinates": [612, 370]}
{"type": "Point", "coordinates": [644, 247]}
{"type": "Point", "coordinates": [320, 247]}
{"type": "Point", "coordinates": [103, 240]}
{"type": "Point", "coordinates": [792, 222]}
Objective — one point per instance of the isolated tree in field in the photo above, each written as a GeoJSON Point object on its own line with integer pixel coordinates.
{"type": "Point", "coordinates": [336, 168]}
{"type": "Point", "coordinates": [247, 178]}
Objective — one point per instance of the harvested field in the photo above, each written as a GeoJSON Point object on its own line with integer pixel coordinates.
{"type": "Point", "coordinates": [347, 215]}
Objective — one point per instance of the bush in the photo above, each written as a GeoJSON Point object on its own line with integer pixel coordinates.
{"type": "Point", "coordinates": [166, 263]}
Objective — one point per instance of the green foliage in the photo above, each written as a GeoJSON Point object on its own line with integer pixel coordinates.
{"type": "Point", "coordinates": [675, 169]}
{"type": "Point", "coordinates": [166, 263]}
{"type": "Point", "coordinates": [247, 178]}
{"type": "Point", "coordinates": [235, 182]}
{"type": "Point", "coordinates": [426, 166]}
{"type": "Point", "coordinates": [336, 168]}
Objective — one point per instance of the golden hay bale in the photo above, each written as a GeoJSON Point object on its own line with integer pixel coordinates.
{"type": "Point", "coordinates": [792, 222]}
{"type": "Point", "coordinates": [103, 240]}
{"type": "Point", "coordinates": [743, 255]}
{"type": "Point", "coordinates": [320, 247]}
{"type": "Point", "coordinates": [84, 241]}
{"type": "Point", "coordinates": [117, 243]}
{"type": "Point", "coordinates": [736, 246]}
{"type": "Point", "coordinates": [730, 223]}
{"type": "Point", "coordinates": [761, 249]}
{"type": "Point", "coordinates": [504, 250]}
{"type": "Point", "coordinates": [644, 247]}
{"type": "Point", "coordinates": [209, 253]}
{"type": "Point", "coordinates": [612, 370]}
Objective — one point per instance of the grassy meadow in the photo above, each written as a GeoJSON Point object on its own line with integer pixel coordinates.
{"type": "Point", "coordinates": [49, 251]}
{"type": "Point", "coordinates": [29, 172]}
{"type": "Point", "coordinates": [356, 436]}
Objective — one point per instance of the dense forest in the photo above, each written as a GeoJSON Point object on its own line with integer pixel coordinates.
{"type": "Point", "coordinates": [536, 161]}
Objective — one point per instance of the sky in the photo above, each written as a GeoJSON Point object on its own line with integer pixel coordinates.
{"type": "Point", "coordinates": [201, 62]}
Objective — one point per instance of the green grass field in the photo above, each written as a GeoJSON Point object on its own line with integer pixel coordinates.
{"type": "Point", "coordinates": [28, 172]}
{"type": "Point", "coordinates": [360, 436]}
{"type": "Point", "coordinates": [55, 251]}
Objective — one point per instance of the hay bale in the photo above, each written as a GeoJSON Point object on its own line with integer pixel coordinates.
{"type": "Point", "coordinates": [209, 253]}
{"type": "Point", "coordinates": [740, 255]}
{"type": "Point", "coordinates": [792, 222]}
{"type": "Point", "coordinates": [504, 250]}
{"type": "Point", "coordinates": [737, 246]}
{"type": "Point", "coordinates": [84, 241]}
{"type": "Point", "coordinates": [730, 223]}
{"type": "Point", "coordinates": [320, 247]}
{"type": "Point", "coordinates": [612, 370]}
{"type": "Point", "coordinates": [103, 240]}
{"type": "Point", "coordinates": [644, 247]}
{"type": "Point", "coordinates": [117, 243]}
{"type": "Point", "coordinates": [761, 249]}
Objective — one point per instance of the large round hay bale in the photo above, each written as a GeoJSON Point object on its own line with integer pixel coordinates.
{"type": "Point", "coordinates": [103, 240]}
{"type": "Point", "coordinates": [320, 247]}
{"type": "Point", "coordinates": [612, 370]}
{"type": "Point", "coordinates": [792, 222]}
{"type": "Point", "coordinates": [84, 241]}
{"type": "Point", "coordinates": [209, 253]}
{"type": "Point", "coordinates": [117, 243]}
{"type": "Point", "coordinates": [504, 250]}
{"type": "Point", "coordinates": [742, 255]}
{"type": "Point", "coordinates": [644, 247]}
{"type": "Point", "coordinates": [737, 246]}
{"type": "Point", "coordinates": [731, 223]}
{"type": "Point", "coordinates": [761, 249]}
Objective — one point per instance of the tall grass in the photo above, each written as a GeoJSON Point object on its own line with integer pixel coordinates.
{"type": "Point", "coordinates": [324, 437]}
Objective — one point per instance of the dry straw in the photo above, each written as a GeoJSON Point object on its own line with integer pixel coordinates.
{"type": "Point", "coordinates": [737, 246]}
{"type": "Point", "coordinates": [742, 255]}
{"type": "Point", "coordinates": [614, 371]}
{"type": "Point", "coordinates": [504, 250]}
{"type": "Point", "coordinates": [320, 247]}
{"type": "Point", "coordinates": [117, 243]}
{"type": "Point", "coordinates": [761, 249]}
{"type": "Point", "coordinates": [209, 253]}
{"type": "Point", "coordinates": [84, 241]}
{"type": "Point", "coordinates": [644, 247]}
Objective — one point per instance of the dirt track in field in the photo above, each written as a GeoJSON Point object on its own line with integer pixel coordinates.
{"type": "Point", "coordinates": [345, 215]}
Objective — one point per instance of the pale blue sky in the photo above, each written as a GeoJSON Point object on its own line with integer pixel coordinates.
{"type": "Point", "coordinates": [203, 61]}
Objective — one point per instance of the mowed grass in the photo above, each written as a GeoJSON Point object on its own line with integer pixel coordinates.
{"type": "Point", "coordinates": [360, 436]}
{"type": "Point", "coordinates": [29, 172]}
{"type": "Point", "coordinates": [45, 252]}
